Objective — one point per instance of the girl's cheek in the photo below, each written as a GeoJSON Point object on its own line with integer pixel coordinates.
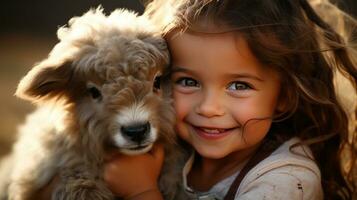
{"type": "Point", "coordinates": [181, 132]}
{"type": "Point", "coordinates": [182, 107]}
{"type": "Point", "coordinates": [249, 108]}
{"type": "Point", "coordinates": [180, 104]}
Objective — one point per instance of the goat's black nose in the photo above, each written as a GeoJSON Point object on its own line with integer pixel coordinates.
{"type": "Point", "coordinates": [137, 132]}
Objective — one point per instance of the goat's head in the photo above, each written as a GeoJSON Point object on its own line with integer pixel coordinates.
{"type": "Point", "coordinates": [107, 71]}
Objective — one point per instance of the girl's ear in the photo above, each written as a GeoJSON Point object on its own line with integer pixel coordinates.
{"type": "Point", "coordinates": [281, 106]}
{"type": "Point", "coordinates": [44, 81]}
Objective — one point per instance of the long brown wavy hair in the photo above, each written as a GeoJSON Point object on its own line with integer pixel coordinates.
{"type": "Point", "coordinates": [289, 36]}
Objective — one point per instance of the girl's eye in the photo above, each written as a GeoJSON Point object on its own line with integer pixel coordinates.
{"type": "Point", "coordinates": [239, 86]}
{"type": "Point", "coordinates": [187, 82]}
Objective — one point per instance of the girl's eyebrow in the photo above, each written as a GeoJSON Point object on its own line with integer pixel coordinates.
{"type": "Point", "coordinates": [244, 75]}
{"type": "Point", "coordinates": [175, 69]}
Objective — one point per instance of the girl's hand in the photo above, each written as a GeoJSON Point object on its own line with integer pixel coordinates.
{"type": "Point", "coordinates": [130, 177]}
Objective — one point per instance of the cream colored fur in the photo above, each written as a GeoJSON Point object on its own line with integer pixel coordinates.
{"type": "Point", "coordinates": [98, 79]}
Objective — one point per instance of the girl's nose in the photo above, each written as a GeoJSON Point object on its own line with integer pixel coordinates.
{"type": "Point", "coordinates": [210, 106]}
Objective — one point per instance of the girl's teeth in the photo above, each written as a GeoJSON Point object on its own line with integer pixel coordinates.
{"type": "Point", "coordinates": [213, 131]}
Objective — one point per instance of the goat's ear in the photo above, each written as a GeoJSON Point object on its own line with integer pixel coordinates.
{"type": "Point", "coordinates": [44, 81]}
{"type": "Point", "coordinates": [161, 51]}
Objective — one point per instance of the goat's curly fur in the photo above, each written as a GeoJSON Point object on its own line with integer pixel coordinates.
{"type": "Point", "coordinates": [98, 79]}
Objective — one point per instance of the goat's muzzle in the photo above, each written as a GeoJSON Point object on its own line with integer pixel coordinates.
{"type": "Point", "coordinates": [136, 132]}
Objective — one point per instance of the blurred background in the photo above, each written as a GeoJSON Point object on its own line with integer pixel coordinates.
{"type": "Point", "coordinates": [28, 33]}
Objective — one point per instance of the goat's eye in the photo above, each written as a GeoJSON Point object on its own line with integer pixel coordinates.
{"type": "Point", "coordinates": [157, 83]}
{"type": "Point", "coordinates": [94, 92]}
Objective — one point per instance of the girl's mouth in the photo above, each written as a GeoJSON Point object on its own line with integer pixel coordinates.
{"type": "Point", "coordinates": [212, 133]}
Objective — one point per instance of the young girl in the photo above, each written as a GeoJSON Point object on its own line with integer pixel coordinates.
{"type": "Point", "coordinates": [251, 79]}
{"type": "Point", "coordinates": [252, 84]}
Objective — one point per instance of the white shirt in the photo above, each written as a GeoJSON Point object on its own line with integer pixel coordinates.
{"type": "Point", "coordinates": [284, 175]}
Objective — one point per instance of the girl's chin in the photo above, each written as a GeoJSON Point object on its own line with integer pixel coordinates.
{"type": "Point", "coordinates": [211, 153]}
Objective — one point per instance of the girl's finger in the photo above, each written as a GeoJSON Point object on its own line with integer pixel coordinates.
{"type": "Point", "coordinates": [109, 156]}
{"type": "Point", "coordinates": [158, 152]}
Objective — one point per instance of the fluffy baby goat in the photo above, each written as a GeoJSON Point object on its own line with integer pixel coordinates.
{"type": "Point", "coordinates": [97, 91]}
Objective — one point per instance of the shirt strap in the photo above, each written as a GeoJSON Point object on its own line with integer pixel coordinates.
{"type": "Point", "coordinates": [260, 154]}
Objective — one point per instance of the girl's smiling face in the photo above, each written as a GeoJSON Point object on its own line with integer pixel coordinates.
{"type": "Point", "coordinates": [218, 86]}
